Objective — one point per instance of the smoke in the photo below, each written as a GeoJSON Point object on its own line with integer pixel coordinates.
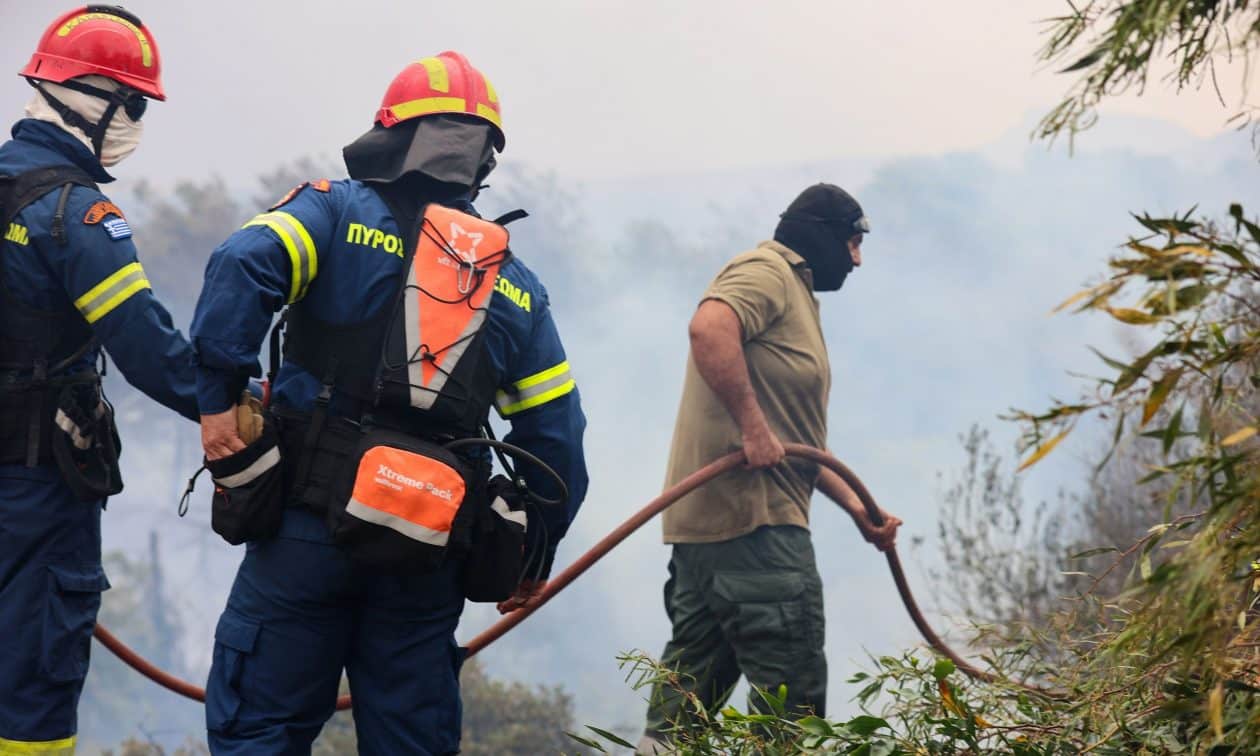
{"type": "Point", "coordinates": [944, 325]}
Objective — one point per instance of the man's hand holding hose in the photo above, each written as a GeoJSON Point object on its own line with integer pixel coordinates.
{"type": "Point", "coordinates": [882, 536]}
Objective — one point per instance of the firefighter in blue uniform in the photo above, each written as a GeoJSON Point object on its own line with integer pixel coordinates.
{"type": "Point", "coordinates": [302, 609]}
{"type": "Point", "coordinates": [70, 284]}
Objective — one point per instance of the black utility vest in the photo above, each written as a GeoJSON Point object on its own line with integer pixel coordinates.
{"type": "Point", "coordinates": [36, 345]}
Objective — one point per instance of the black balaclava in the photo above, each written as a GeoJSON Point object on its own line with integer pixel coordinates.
{"type": "Point", "coordinates": [452, 150]}
{"type": "Point", "coordinates": [817, 226]}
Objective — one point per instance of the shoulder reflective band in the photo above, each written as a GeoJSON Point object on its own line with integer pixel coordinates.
{"type": "Point", "coordinates": [535, 390]}
{"type": "Point", "coordinates": [103, 298]}
{"type": "Point", "coordinates": [298, 243]}
{"type": "Point", "coordinates": [62, 747]}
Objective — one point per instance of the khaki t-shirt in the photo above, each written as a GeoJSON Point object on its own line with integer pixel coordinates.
{"type": "Point", "coordinates": [771, 292]}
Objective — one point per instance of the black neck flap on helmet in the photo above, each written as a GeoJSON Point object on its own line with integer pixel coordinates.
{"type": "Point", "coordinates": [451, 149]}
{"type": "Point", "coordinates": [818, 226]}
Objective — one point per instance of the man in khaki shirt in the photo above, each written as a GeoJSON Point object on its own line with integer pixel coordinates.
{"type": "Point", "coordinates": [744, 594]}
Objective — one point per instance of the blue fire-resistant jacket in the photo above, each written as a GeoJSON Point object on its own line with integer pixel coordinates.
{"type": "Point", "coordinates": [96, 273]}
{"type": "Point", "coordinates": [336, 245]}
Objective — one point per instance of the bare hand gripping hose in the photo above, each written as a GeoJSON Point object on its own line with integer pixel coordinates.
{"type": "Point", "coordinates": [702, 476]}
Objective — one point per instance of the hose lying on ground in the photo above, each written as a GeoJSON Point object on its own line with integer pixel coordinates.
{"type": "Point", "coordinates": [558, 583]}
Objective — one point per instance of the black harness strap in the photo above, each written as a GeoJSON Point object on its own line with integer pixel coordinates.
{"type": "Point", "coordinates": [59, 217]}
{"type": "Point", "coordinates": [511, 216]}
{"type": "Point", "coordinates": [25, 188]}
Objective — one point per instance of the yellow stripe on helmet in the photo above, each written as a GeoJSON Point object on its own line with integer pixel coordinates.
{"type": "Point", "coordinates": [146, 50]}
{"type": "Point", "coordinates": [439, 79]}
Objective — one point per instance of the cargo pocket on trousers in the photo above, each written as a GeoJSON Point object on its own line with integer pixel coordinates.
{"type": "Point", "coordinates": [234, 640]}
{"type": "Point", "coordinates": [761, 610]}
{"type": "Point", "coordinates": [74, 598]}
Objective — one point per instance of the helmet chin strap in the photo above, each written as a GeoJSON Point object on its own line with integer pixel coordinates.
{"type": "Point", "coordinates": [94, 131]}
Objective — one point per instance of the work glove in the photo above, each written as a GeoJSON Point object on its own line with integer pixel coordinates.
{"type": "Point", "coordinates": [249, 418]}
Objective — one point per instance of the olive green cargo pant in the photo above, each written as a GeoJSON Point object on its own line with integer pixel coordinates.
{"type": "Point", "coordinates": [752, 605]}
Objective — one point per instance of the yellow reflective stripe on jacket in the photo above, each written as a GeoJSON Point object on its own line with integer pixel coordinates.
{"type": "Point", "coordinates": [537, 389]}
{"type": "Point", "coordinates": [298, 243]}
{"type": "Point", "coordinates": [103, 298]}
{"type": "Point", "coordinates": [63, 747]}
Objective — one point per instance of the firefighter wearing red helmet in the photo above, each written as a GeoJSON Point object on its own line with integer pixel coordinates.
{"type": "Point", "coordinates": [367, 501]}
{"type": "Point", "coordinates": [70, 285]}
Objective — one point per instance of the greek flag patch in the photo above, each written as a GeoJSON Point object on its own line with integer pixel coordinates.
{"type": "Point", "coordinates": [117, 228]}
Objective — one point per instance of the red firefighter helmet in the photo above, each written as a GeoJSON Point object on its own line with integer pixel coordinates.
{"type": "Point", "coordinates": [99, 39]}
{"type": "Point", "coordinates": [446, 83]}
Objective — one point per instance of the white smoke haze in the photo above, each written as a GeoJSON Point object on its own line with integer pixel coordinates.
{"type": "Point", "coordinates": [651, 141]}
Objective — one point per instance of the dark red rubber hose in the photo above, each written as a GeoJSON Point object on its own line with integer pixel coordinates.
{"type": "Point", "coordinates": [599, 551]}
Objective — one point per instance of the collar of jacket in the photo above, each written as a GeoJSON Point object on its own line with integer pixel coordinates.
{"type": "Point", "coordinates": [796, 261]}
{"type": "Point", "coordinates": [53, 139]}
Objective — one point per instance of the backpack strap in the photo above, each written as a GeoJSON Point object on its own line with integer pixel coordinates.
{"type": "Point", "coordinates": [16, 192]}
{"type": "Point", "coordinates": [511, 216]}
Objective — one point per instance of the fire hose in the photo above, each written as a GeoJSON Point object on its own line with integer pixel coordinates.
{"type": "Point", "coordinates": [699, 478]}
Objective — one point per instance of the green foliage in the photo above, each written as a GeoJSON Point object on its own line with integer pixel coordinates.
{"type": "Point", "coordinates": [1181, 641]}
{"type": "Point", "coordinates": [512, 718]}
{"type": "Point", "coordinates": [1113, 45]}
{"type": "Point", "coordinates": [774, 733]}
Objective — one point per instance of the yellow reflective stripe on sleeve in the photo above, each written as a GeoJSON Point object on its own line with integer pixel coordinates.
{"type": "Point", "coordinates": [538, 378]}
{"type": "Point", "coordinates": [298, 243]}
{"type": "Point", "coordinates": [428, 106]}
{"type": "Point", "coordinates": [308, 243]}
{"type": "Point", "coordinates": [62, 747]}
{"type": "Point", "coordinates": [535, 390]}
{"type": "Point", "coordinates": [103, 298]}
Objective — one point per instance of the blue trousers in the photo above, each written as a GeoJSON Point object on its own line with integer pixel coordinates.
{"type": "Point", "coordinates": [299, 613]}
{"type": "Point", "coordinates": [51, 581]}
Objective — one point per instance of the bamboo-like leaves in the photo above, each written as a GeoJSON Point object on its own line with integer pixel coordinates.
{"type": "Point", "coordinates": [1041, 451]}
{"type": "Point", "coordinates": [1240, 435]}
{"type": "Point", "coordinates": [1131, 316]}
{"type": "Point", "coordinates": [1095, 295]}
{"type": "Point", "coordinates": [1159, 394]}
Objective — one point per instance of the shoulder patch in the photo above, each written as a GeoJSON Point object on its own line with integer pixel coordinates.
{"type": "Point", "coordinates": [97, 212]}
{"type": "Point", "coordinates": [319, 185]}
{"type": "Point", "coordinates": [117, 228]}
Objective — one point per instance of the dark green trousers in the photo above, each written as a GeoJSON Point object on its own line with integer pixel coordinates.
{"type": "Point", "coordinates": [750, 606]}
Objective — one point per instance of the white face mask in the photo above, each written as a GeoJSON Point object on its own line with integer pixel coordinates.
{"type": "Point", "coordinates": [122, 137]}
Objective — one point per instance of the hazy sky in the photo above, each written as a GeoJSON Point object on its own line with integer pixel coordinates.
{"type": "Point", "coordinates": [600, 89]}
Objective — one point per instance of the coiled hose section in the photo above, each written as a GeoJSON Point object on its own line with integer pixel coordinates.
{"type": "Point", "coordinates": [609, 542]}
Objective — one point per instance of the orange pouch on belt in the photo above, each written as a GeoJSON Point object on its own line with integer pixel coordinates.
{"type": "Point", "coordinates": [413, 494]}
{"type": "Point", "coordinates": [404, 503]}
